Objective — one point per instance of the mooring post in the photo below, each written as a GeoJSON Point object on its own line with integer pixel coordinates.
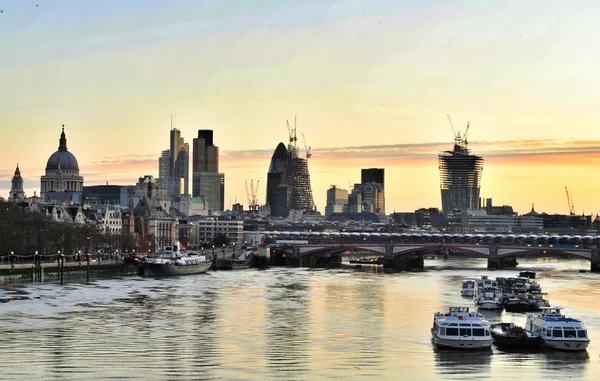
{"type": "Point", "coordinates": [88, 267]}
{"type": "Point", "coordinates": [62, 268]}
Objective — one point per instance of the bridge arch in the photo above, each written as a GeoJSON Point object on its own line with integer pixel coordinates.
{"type": "Point", "coordinates": [504, 252]}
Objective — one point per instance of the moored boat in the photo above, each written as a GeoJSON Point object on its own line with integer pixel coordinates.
{"type": "Point", "coordinates": [511, 335]}
{"type": "Point", "coordinates": [172, 262]}
{"type": "Point", "coordinates": [488, 298]}
{"type": "Point", "coordinates": [558, 331]}
{"type": "Point", "coordinates": [461, 329]}
{"type": "Point", "coordinates": [468, 287]}
{"type": "Point", "coordinates": [243, 261]}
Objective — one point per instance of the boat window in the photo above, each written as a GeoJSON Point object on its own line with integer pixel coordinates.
{"type": "Point", "coordinates": [570, 332]}
{"type": "Point", "coordinates": [465, 331]}
{"type": "Point", "coordinates": [487, 332]}
{"type": "Point", "coordinates": [548, 332]}
{"type": "Point", "coordinates": [452, 331]}
{"type": "Point", "coordinates": [442, 331]}
{"type": "Point", "coordinates": [476, 325]}
{"type": "Point", "coordinates": [557, 332]}
{"type": "Point", "coordinates": [464, 325]}
{"type": "Point", "coordinates": [477, 331]}
{"type": "Point", "coordinates": [581, 333]}
{"type": "Point", "coordinates": [453, 324]}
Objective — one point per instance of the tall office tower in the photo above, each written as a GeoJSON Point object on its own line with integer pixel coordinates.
{"type": "Point", "coordinates": [207, 182]}
{"type": "Point", "coordinates": [372, 175]}
{"type": "Point", "coordinates": [179, 164]}
{"type": "Point", "coordinates": [276, 182]}
{"type": "Point", "coordinates": [206, 154]}
{"type": "Point", "coordinates": [373, 189]}
{"type": "Point", "coordinates": [164, 164]}
{"type": "Point", "coordinates": [460, 176]}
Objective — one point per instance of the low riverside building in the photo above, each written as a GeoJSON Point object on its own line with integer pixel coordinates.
{"type": "Point", "coordinates": [480, 221]}
{"type": "Point", "coordinates": [209, 228]}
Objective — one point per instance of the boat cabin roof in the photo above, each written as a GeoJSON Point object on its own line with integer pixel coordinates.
{"type": "Point", "coordinates": [459, 309]}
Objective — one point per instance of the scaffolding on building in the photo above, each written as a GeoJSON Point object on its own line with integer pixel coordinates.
{"type": "Point", "coordinates": [298, 178]}
{"type": "Point", "coordinates": [460, 175]}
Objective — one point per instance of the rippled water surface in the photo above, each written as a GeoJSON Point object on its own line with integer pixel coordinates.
{"type": "Point", "coordinates": [278, 324]}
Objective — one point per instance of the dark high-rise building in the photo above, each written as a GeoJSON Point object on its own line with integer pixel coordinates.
{"type": "Point", "coordinates": [460, 176]}
{"type": "Point", "coordinates": [206, 154]}
{"type": "Point", "coordinates": [207, 182]}
{"type": "Point", "coordinates": [372, 189]}
{"type": "Point", "coordinates": [276, 182]}
{"type": "Point", "coordinates": [372, 175]}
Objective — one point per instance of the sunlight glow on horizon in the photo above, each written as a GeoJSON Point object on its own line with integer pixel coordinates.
{"type": "Point", "coordinates": [371, 84]}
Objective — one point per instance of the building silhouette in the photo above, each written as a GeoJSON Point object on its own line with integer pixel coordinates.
{"type": "Point", "coordinates": [372, 175]}
{"type": "Point", "coordinates": [16, 189]}
{"type": "Point", "coordinates": [460, 176]}
{"type": "Point", "coordinates": [207, 182]}
{"type": "Point", "coordinates": [276, 198]}
{"type": "Point", "coordinates": [164, 164]}
{"type": "Point", "coordinates": [179, 164]}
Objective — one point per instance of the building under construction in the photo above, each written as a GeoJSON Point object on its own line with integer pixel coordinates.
{"type": "Point", "coordinates": [288, 179]}
{"type": "Point", "coordinates": [460, 175]}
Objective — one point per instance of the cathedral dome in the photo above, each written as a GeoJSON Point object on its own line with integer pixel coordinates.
{"type": "Point", "coordinates": [66, 159]}
{"type": "Point", "coordinates": [62, 158]}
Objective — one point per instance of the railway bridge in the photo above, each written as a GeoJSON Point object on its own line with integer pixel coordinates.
{"type": "Point", "coordinates": [410, 256]}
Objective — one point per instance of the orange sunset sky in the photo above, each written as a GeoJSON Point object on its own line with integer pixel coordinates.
{"type": "Point", "coordinates": [371, 84]}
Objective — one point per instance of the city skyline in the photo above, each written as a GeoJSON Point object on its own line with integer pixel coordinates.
{"type": "Point", "coordinates": [114, 80]}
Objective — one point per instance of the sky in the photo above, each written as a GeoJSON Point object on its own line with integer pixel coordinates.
{"type": "Point", "coordinates": [371, 84]}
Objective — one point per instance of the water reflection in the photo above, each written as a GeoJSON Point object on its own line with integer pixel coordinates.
{"type": "Point", "coordinates": [457, 362]}
{"type": "Point", "coordinates": [288, 328]}
{"type": "Point", "coordinates": [573, 361]}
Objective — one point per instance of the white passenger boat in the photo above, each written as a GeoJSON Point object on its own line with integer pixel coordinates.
{"type": "Point", "coordinates": [461, 329]}
{"type": "Point", "coordinates": [558, 331]}
{"type": "Point", "coordinates": [468, 287]}
{"type": "Point", "coordinates": [488, 298]}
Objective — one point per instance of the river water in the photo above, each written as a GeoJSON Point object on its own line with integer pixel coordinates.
{"type": "Point", "coordinates": [278, 324]}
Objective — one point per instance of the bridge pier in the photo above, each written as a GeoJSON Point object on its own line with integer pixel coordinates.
{"type": "Point", "coordinates": [495, 263]}
{"type": "Point", "coordinates": [595, 261]}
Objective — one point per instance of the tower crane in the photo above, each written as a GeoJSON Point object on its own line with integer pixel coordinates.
{"type": "Point", "coordinates": [251, 193]}
{"type": "Point", "coordinates": [306, 147]}
{"type": "Point", "coordinates": [458, 139]}
{"type": "Point", "coordinates": [570, 202]}
{"type": "Point", "coordinates": [464, 137]}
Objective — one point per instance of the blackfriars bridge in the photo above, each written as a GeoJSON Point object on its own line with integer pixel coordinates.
{"type": "Point", "coordinates": [406, 251]}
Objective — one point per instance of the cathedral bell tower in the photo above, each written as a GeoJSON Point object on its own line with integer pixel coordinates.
{"type": "Point", "coordinates": [16, 189]}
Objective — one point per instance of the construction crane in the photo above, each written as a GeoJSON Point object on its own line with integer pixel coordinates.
{"type": "Point", "coordinates": [458, 139]}
{"type": "Point", "coordinates": [570, 202]}
{"type": "Point", "coordinates": [306, 147]}
{"type": "Point", "coordinates": [292, 131]}
{"type": "Point", "coordinates": [251, 193]}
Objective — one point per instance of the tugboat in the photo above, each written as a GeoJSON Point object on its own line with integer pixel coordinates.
{"type": "Point", "coordinates": [557, 331]}
{"type": "Point", "coordinates": [461, 329]}
{"type": "Point", "coordinates": [172, 261]}
{"type": "Point", "coordinates": [511, 335]}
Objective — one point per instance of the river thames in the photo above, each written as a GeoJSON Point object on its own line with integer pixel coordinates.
{"type": "Point", "coordinates": [279, 324]}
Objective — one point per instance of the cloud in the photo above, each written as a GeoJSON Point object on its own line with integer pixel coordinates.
{"type": "Point", "coordinates": [505, 152]}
